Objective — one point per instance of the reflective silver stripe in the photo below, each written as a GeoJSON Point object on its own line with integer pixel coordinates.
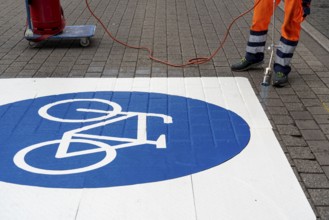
{"type": "Point", "coordinates": [257, 39]}
{"type": "Point", "coordinates": [282, 61]}
{"type": "Point", "coordinates": [284, 48]}
{"type": "Point", "coordinates": [255, 50]}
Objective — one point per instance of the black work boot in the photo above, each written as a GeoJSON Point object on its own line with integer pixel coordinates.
{"type": "Point", "coordinates": [279, 79]}
{"type": "Point", "coordinates": [245, 65]}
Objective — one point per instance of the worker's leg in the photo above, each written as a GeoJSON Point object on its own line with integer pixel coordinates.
{"type": "Point", "coordinates": [257, 38]}
{"type": "Point", "coordinates": [258, 31]}
{"type": "Point", "coordinates": [290, 33]}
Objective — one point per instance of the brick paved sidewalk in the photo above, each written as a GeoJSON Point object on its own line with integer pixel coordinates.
{"type": "Point", "coordinates": [320, 16]}
{"type": "Point", "coordinates": [178, 30]}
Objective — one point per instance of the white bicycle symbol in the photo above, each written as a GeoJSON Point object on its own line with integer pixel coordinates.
{"type": "Point", "coordinates": [75, 136]}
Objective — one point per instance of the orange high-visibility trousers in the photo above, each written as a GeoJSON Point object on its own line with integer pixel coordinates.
{"type": "Point", "coordinates": [293, 17]}
{"type": "Point", "coordinates": [290, 32]}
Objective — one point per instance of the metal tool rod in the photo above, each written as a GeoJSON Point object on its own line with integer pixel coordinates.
{"type": "Point", "coordinates": [268, 70]}
{"type": "Point", "coordinates": [28, 14]}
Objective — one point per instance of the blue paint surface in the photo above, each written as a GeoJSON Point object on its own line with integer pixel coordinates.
{"type": "Point", "coordinates": [200, 136]}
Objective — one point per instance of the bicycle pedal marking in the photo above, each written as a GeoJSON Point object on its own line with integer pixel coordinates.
{"type": "Point", "coordinates": [104, 139]}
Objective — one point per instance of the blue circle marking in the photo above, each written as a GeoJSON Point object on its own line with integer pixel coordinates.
{"type": "Point", "coordinates": [105, 139]}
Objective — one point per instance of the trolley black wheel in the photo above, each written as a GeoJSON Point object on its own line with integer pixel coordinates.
{"type": "Point", "coordinates": [84, 42]}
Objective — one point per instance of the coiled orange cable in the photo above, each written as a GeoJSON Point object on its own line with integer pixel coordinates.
{"type": "Point", "coordinates": [194, 61]}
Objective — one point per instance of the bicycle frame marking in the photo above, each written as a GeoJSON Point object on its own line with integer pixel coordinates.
{"type": "Point", "coordinates": [141, 134]}
{"type": "Point", "coordinates": [75, 135]}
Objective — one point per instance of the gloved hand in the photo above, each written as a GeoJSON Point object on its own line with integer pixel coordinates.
{"type": "Point", "coordinates": [306, 7]}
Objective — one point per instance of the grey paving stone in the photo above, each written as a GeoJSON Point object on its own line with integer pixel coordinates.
{"type": "Point", "coordinates": [82, 62]}
{"type": "Point", "coordinates": [97, 63]}
{"type": "Point", "coordinates": [305, 95]}
{"type": "Point", "coordinates": [319, 68]}
{"type": "Point", "coordinates": [315, 180]}
{"type": "Point", "coordinates": [322, 119]}
{"type": "Point", "coordinates": [112, 72]}
{"type": "Point", "coordinates": [144, 71]}
{"type": "Point", "coordinates": [325, 128]}
{"type": "Point", "coordinates": [324, 98]}
{"type": "Point", "coordinates": [326, 106]}
{"type": "Point", "coordinates": [303, 115]}
{"type": "Point", "coordinates": [317, 110]}
{"type": "Point", "coordinates": [313, 135]}
{"type": "Point", "coordinates": [80, 67]}
{"type": "Point", "coordinates": [307, 166]}
{"type": "Point", "coordinates": [47, 69]}
{"type": "Point", "coordinates": [323, 212]}
{"type": "Point", "coordinates": [287, 93]}
{"type": "Point", "coordinates": [323, 74]}
{"type": "Point", "coordinates": [300, 153]}
{"type": "Point", "coordinates": [306, 124]}
{"type": "Point", "coordinates": [288, 130]}
{"type": "Point", "coordinates": [320, 89]}
{"type": "Point", "coordinates": [277, 110]}
{"type": "Point", "coordinates": [3, 68]}
{"type": "Point", "coordinates": [282, 119]}
{"type": "Point", "coordinates": [60, 74]}
{"type": "Point", "coordinates": [77, 73]}
{"type": "Point", "coordinates": [93, 74]}
{"type": "Point", "coordinates": [208, 73]}
{"type": "Point", "coordinates": [42, 74]}
{"type": "Point", "coordinates": [309, 77]}
{"type": "Point", "coordinates": [291, 141]}
{"type": "Point", "coordinates": [311, 102]}
{"type": "Point", "coordinates": [289, 98]}
{"type": "Point", "coordinates": [300, 87]}
{"type": "Point", "coordinates": [95, 69]}
{"type": "Point", "coordinates": [32, 66]}
{"type": "Point", "coordinates": [326, 170]}
{"type": "Point", "coordinates": [319, 146]}
{"type": "Point", "coordinates": [274, 102]}
{"type": "Point", "coordinates": [295, 106]}
{"type": "Point", "coordinates": [322, 158]}
{"type": "Point", "coordinates": [13, 69]}
{"type": "Point", "coordinates": [320, 196]}
{"type": "Point", "coordinates": [9, 75]}
{"type": "Point", "coordinates": [26, 73]}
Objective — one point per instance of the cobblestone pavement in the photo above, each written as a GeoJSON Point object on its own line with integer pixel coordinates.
{"type": "Point", "coordinates": [320, 16]}
{"type": "Point", "coordinates": [178, 30]}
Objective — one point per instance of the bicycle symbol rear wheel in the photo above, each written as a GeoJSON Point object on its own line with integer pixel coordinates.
{"type": "Point", "coordinates": [20, 161]}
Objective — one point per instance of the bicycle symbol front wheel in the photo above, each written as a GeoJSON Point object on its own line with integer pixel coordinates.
{"type": "Point", "coordinates": [20, 156]}
{"type": "Point", "coordinates": [116, 109]}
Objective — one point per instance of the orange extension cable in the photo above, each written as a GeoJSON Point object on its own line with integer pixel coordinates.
{"type": "Point", "coordinates": [194, 61]}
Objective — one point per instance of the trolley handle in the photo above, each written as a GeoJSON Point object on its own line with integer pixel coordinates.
{"type": "Point", "coordinates": [27, 3]}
